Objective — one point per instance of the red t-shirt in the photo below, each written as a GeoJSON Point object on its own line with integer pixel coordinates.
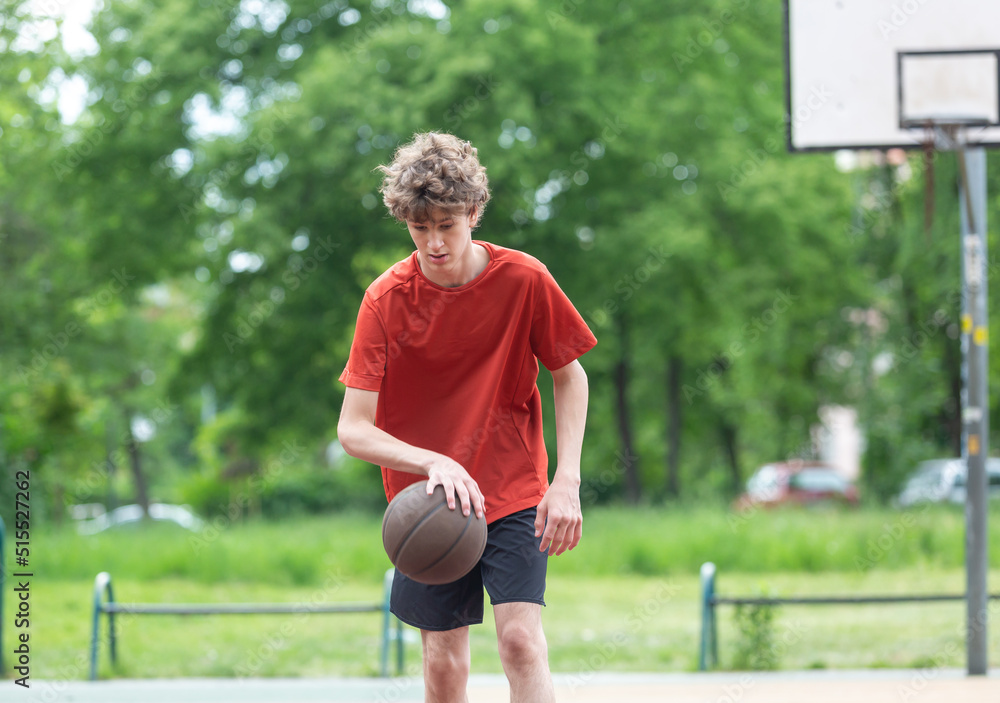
{"type": "Point", "coordinates": [455, 369]}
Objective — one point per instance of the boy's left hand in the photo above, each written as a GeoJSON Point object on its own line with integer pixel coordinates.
{"type": "Point", "coordinates": [559, 520]}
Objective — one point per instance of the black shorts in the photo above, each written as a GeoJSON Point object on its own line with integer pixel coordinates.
{"type": "Point", "coordinates": [512, 570]}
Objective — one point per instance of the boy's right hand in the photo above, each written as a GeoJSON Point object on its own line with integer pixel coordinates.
{"type": "Point", "coordinates": [456, 481]}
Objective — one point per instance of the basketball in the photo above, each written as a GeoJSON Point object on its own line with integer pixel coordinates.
{"type": "Point", "coordinates": [427, 541]}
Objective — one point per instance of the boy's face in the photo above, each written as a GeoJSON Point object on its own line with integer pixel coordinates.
{"type": "Point", "coordinates": [444, 246]}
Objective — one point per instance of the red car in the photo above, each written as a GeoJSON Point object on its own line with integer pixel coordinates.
{"type": "Point", "coordinates": [796, 483]}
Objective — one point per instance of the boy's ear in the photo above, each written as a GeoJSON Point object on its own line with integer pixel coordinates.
{"type": "Point", "coordinates": [474, 216]}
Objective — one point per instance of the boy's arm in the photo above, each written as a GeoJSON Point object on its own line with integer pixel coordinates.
{"type": "Point", "coordinates": [559, 513]}
{"type": "Point", "coordinates": [360, 438]}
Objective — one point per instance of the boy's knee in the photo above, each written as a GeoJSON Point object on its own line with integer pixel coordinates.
{"type": "Point", "coordinates": [444, 668]}
{"type": "Point", "coordinates": [521, 643]}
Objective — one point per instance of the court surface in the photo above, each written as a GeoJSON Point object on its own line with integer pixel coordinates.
{"type": "Point", "coordinates": [867, 686]}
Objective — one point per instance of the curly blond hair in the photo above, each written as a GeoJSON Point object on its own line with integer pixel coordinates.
{"type": "Point", "coordinates": [435, 171]}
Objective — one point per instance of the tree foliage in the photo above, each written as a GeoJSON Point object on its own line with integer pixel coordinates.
{"type": "Point", "coordinates": [186, 257]}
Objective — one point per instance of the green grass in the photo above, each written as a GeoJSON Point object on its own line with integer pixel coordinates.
{"type": "Point", "coordinates": [296, 552]}
{"type": "Point", "coordinates": [625, 600]}
{"type": "Point", "coordinates": [642, 541]}
{"type": "Point", "coordinates": [604, 623]}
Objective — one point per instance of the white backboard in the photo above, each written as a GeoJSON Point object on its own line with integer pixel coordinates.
{"type": "Point", "coordinates": [858, 70]}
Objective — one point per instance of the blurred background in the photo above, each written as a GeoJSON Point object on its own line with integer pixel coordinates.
{"type": "Point", "coordinates": [189, 217]}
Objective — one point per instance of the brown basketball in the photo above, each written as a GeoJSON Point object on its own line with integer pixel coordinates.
{"type": "Point", "coordinates": [427, 541]}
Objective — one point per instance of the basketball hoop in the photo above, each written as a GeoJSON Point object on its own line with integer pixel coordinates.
{"type": "Point", "coordinates": [877, 75]}
{"type": "Point", "coordinates": [946, 133]}
{"type": "Point", "coordinates": [902, 68]}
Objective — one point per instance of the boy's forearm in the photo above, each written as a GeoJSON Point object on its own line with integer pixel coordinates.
{"type": "Point", "coordinates": [369, 443]}
{"type": "Point", "coordinates": [361, 439]}
{"type": "Point", "coordinates": [571, 396]}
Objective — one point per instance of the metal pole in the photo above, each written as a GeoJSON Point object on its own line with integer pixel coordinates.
{"type": "Point", "coordinates": [399, 646]}
{"type": "Point", "coordinates": [707, 652]}
{"type": "Point", "coordinates": [975, 399]}
{"type": "Point", "coordinates": [386, 617]}
{"type": "Point", "coordinates": [102, 585]}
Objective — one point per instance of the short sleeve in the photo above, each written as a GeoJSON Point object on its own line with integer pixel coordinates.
{"type": "Point", "coordinates": [366, 364]}
{"type": "Point", "coordinates": [559, 334]}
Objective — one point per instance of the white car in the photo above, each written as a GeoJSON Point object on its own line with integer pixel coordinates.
{"type": "Point", "coordinates": [992, 482]}
{"type": "Point", "coordinates": [943, 481]}
{"type": "Point", "coordinates": [128, 514]}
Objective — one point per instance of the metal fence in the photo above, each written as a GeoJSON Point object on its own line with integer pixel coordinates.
{"type": "Point", "coordinates": [708, 652]}
{"type": "Point", "coordinates": [104, 604]}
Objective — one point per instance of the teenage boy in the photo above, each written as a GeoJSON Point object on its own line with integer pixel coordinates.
{"type": "Point", "coordinates": [441, 386]}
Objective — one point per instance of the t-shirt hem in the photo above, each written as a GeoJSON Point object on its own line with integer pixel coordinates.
{"type": "Point", "coordinates": [511, 508]}
{"type": "Point", "coordinates": [361, 381]}
{"type": "Point", "coordinates": [558, 363]}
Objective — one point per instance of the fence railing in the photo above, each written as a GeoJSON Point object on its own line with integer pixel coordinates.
{"type": "Point", "coordinates": [708, 652]}
{"type": "Point", "coordinates": [104, 604]}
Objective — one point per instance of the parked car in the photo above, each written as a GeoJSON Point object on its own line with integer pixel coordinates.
{"type": "Point", "coordinates": [132, 514]}
{"type": "Point", "coordinates": [944, 481]}
{"type": "Point", "coordinates": [933, 481]}
{"type": "Point", "coordinates": [992, 482]}
{"type": "Point", "coordinates": [797, 483]}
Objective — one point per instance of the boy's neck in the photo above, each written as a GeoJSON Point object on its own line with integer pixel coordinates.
{"type": "Point", "coordinates": [466, 271]}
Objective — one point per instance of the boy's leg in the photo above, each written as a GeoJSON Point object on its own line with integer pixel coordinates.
{"type": "Point", "coordinates": [446, 665]}
{"type": "Point", "coordinates": [514, 575]}
{"type": "Point", "coordinates": [523, 652]}
{"type": "Point", "coordinates": [443, 614]}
